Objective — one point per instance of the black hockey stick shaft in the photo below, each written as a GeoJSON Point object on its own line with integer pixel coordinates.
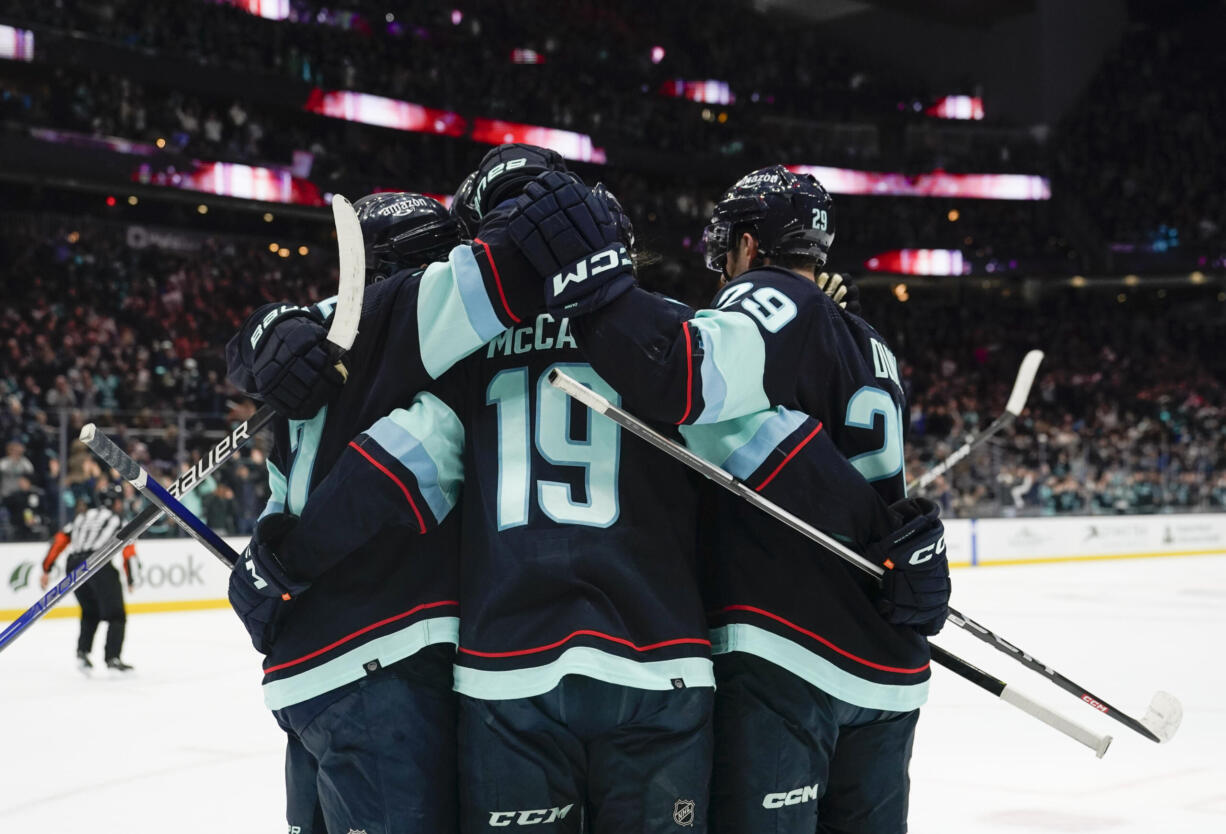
{"type": "Point", "coordinates": [137, 476]}
{"type": "Point", "coordinates": [1006, 693]}
{"type": "Point", "coordinates": [146, 518]}
{"type": "Point", "coordinates": [1034, 664]}
{"type": "Point", "coordinates": [725, 479]}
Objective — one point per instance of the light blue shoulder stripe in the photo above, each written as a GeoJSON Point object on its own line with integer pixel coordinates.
{"type": "Point", "coordinates": [586, 661]}
{"type": "Point", "coordinates": [350, 666]}
{"type": "Point", "coordinates": [454, 316]}
{"type": "Point", "coordinates": [817, 670]}
{"type": "Point", "coordinates": [276, 490]}
{"type": "Point", "coordinates": [741, 446]}
{"type": "Point", "coordinates": [733, 365]}
{"type": "Point", "coordinates": [427, 438]}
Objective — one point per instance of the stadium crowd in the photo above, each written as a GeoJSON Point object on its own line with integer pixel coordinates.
{"type": "Point", "coordinates": [1129, 414]}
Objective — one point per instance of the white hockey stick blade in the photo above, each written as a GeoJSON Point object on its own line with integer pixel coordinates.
{"type": "Point", "coordinates": [1164, 716]}
{"type": "Point", "coordinates": [352, 286]}
{"type": "Point", "coordinates": [1025, 378]}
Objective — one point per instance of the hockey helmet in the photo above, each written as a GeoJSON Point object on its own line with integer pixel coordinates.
{"type": "Point", "coordinates": [462, 208]}
{"type": "Point", "coordinates": [625, 229]}
{"type": "Point", "coordinates": [402, 230]}
{"type": "Point", "coordinates": [787, 213]}
{"type": "Point", "coordinates": [504, 172]}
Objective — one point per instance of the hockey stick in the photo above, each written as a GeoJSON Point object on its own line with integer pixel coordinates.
{"type": "Point", "coordinates": [341, 333]}
{"type": "Point", "coordinates": [1017, 401]}
{"type": "Point", "coordinates": [137, 476]}
{"type": "Point", "coordinates": [1162, 719]}
{"type": "Point", "coordinates": [186, 482]}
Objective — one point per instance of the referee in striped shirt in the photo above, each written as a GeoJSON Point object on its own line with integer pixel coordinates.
{"type": "Point", "coordinates": [101, 597]}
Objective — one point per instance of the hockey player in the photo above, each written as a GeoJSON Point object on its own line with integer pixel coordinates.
{"type": "Point", "coordinates": [101, 598]}
{"type": "Point", "coordinates": [357, 667]}
{"type": "Point", "coordinates": [818, 693]}
{"type": "Point", "coordinates": [583, 662]}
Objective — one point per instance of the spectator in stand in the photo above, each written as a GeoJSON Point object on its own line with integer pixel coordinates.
{"type": "Point", "coordinates": [14, 466]}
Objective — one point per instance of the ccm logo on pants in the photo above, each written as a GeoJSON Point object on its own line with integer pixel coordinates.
{"type": "Point", "coordinates": [796, 797]}
{"type": "Point", "coordinates": [501, 819]}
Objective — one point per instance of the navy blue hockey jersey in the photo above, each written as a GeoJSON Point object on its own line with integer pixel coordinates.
{"type": "Point", "coordinates": [774, 340]}
{"type": "Point", "coordinates": [385, 594]}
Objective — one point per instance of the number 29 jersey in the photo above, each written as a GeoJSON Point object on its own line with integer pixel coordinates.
{"type": "Point", "coordinates": [578, 540]}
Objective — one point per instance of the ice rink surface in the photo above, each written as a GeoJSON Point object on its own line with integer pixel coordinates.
{"type": "Point", "coordinates": [184, 743]}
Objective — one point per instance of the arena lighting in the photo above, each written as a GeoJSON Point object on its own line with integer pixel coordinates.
{"type": "Point", "coordinates": [268, 9]}
{"type": "Point", "coordinates": [919, 262]}
{"type": "Point", "coordinates": [657, 54]}
{"type": "Point", "coordinates": [132, 200]}
{"type": "Point", "coordinates": [110, 201]}
{"type": "Point", "coordinates": [957, 107]}
{"type": "Point", "coordinates": [933, 184]}
{"type": "Point", "coordinates": [16, 44]}
{"type": "Point", "coordinates": [304, 251]}
{"type": "Point", "coordinates": [247, 182]}
{"type": "Point", "coordinates": [953, 215]}
{"type": "Point", "coordinates": [710, 91]}
{"type": "Point", "coordinates": [273, 247]}
{"type": "Point", "coordinates": [1131, 280]}
{"type": "Point", "coordinates": [576, 146]}
{"type": "Point", "coordinates": [384, 112]}
{"type": "Point", "coordinates": [268, 218]}
{"type": "Point", "coordinates": [1078, 281]}
{"type": "Point", "coordinates": [1197, 277]}
{"type": "Point", "coordinates": [202, 209]}
{"type": "Point", "coordinates": [161, 143]}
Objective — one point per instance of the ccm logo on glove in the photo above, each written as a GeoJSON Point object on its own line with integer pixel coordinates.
{"type": "Point", "coordinates": [925, 554]}
{"type": "Point", "coordinates": [611, 258]}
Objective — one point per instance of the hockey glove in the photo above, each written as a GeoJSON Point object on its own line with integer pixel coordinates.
{"type": "Point", "coordinates": [565, 230]}
{"type": "Point", "coordinates": [260, 587]}
{"type": "Point", "coordinates": [292, 368]}
{"type": "Point", "coordinates": [841, 291]}
{"type": "Point", "coordinates": [915, 588]}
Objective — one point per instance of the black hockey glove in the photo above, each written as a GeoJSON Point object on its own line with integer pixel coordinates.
{"type": "Point", "coordinates": [567, 233]}
{"type": "Point", "coordinates": [292, 368]}
{"type": "Point", "coordinates": [260, 587]}
{"type": "Point", "coordinates": [915, 589]}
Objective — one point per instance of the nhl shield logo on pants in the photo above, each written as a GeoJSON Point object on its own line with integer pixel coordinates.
{"type": "Point", "coordinates": [683, 812]}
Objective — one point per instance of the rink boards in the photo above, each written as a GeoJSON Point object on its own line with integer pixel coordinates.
{"type": "Point", "coordinates": [179, 575]}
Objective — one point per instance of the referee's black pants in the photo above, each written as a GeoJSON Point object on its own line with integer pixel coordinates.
{"type": "Point", "coordinates": [101, 598]}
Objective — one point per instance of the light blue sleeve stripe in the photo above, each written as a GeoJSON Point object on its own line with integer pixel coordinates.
{"type": "Point", "coordinates": [733, 365]}
{"type": "Point", "coordinates": [477, 303]}
{"type": "Point", "coordinates": [427, 439]}
{"type": "Point", "coordinates": [741, 446]}
{"type": "Point", "coordinates": [305, 436]}
{"type": "Point", "coordinates": [276, 490]}
{"type": "Point", "coordinates": [326, 307]}
{"type": "Point", "coordinates": [454, 317]}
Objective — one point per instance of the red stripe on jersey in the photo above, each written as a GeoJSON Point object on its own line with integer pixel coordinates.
{"type": "Point", "coordinates": [421, 524]}
{"type": "Point", "coordinates": [497, 279]}
{"type": "Point", "coordinates": [586, 633]}
{"type": "Point", "coordinates": [689, 372]}
{"type": "Point", "coordinates": [824, 641]}
{"type": "Point", "coordinates": [359, 633]}
{"type": "Point", "coordinates": [791, 455]}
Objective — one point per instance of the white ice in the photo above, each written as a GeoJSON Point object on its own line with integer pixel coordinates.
{"type": "Point", "coordinates": [184, 744]}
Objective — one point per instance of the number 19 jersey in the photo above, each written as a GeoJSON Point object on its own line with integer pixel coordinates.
{"type": "Point", "coordinates": [578, 542]}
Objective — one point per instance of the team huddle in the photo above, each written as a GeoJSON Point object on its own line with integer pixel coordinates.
{"type": "Point", "coordinates": [482, 606]}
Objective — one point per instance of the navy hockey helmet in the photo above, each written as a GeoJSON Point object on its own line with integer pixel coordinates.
{"type": "Point", "coordinates": [462, 208]}
{"type": "Point", "coordinates": [403, 230]}
{"type": "Point", "coordinates": [788, 214]}
{"type": "Point", "coordinates": [625, 229]}
{"type": "Point", "coordinates": [504, 172]}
